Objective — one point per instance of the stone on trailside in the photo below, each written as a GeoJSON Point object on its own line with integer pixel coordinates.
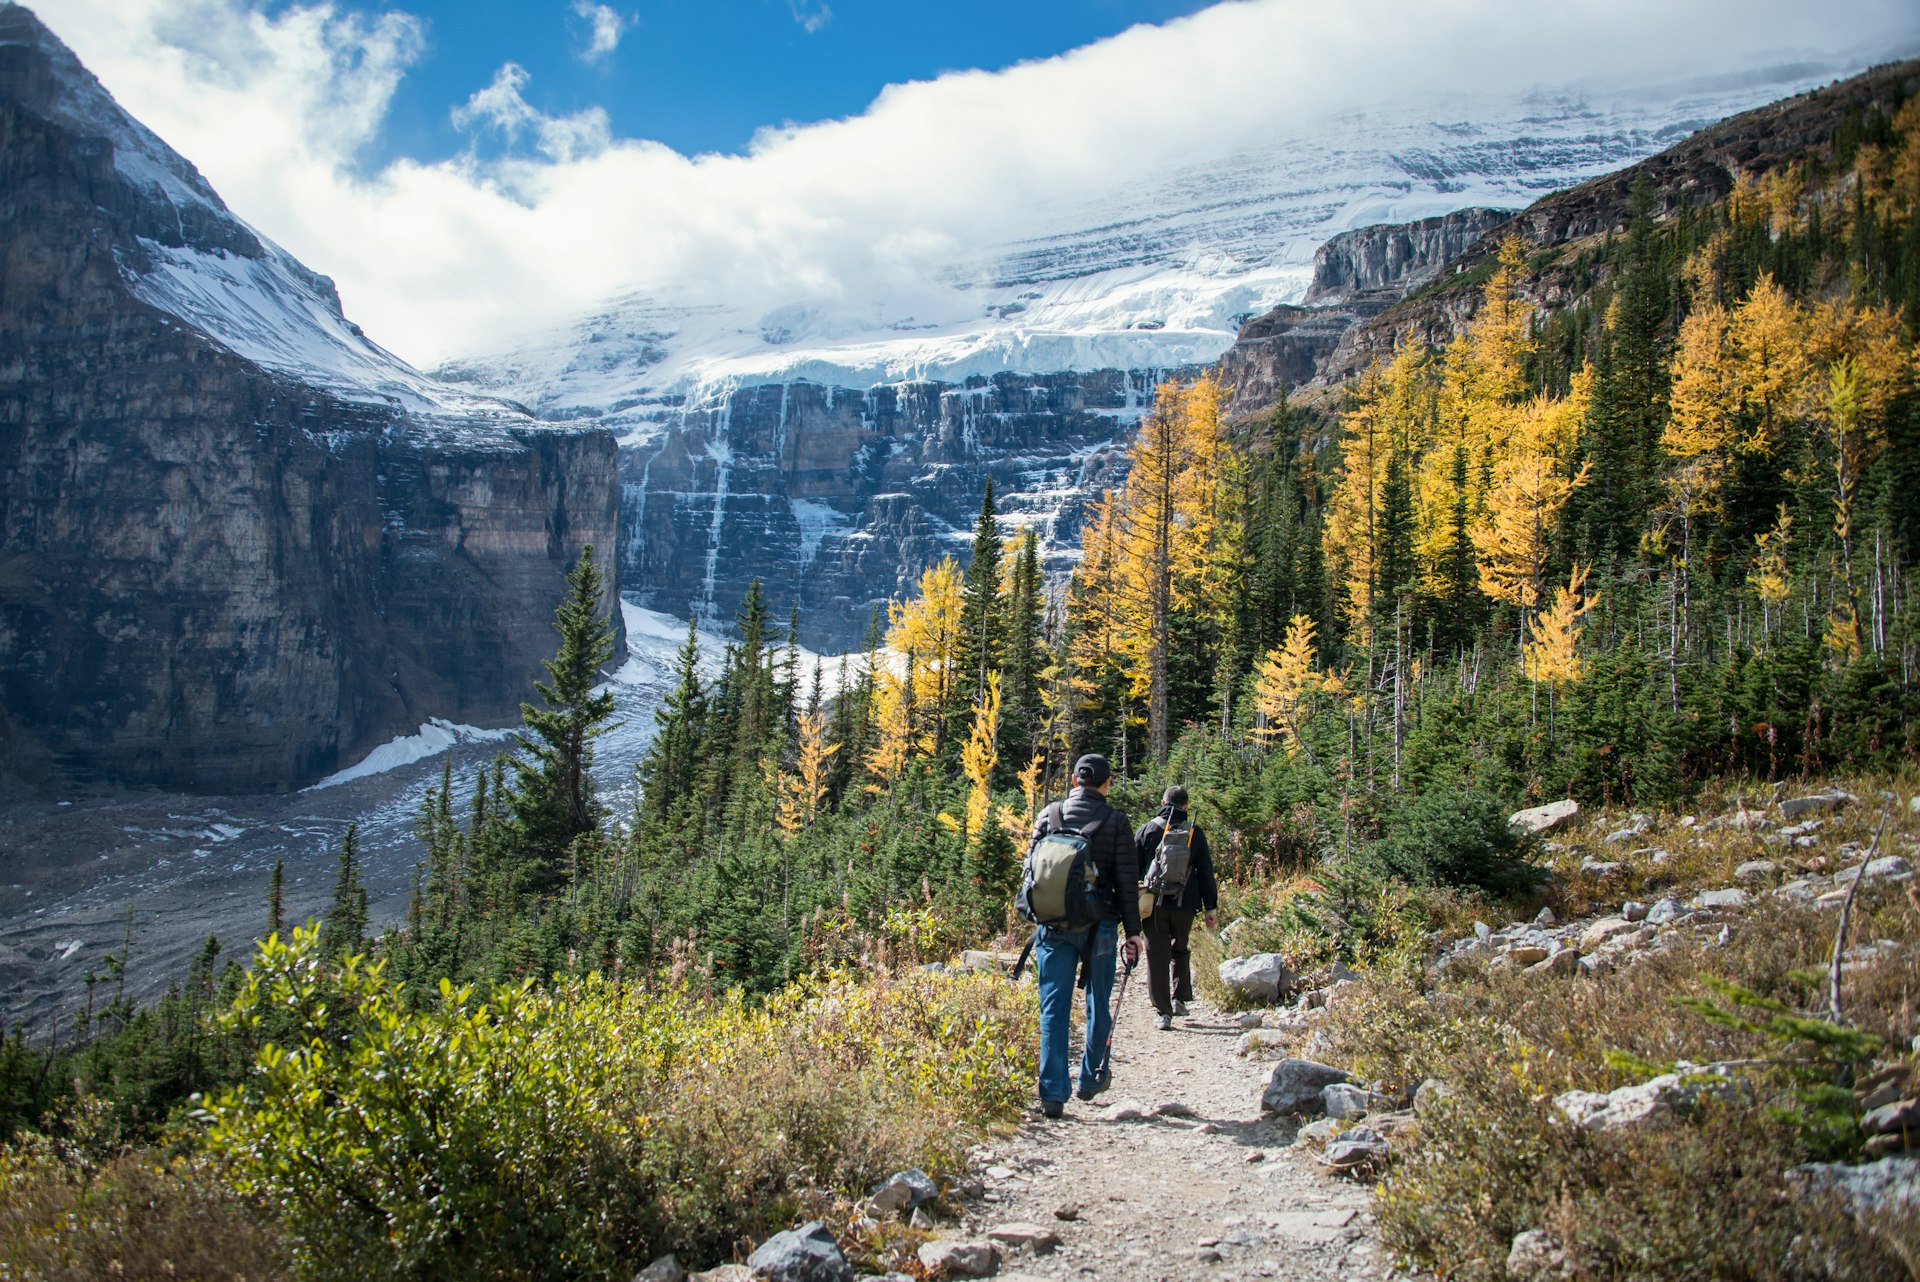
{"type": "Point", "coordinates": [665, 1269]}
{"type": "Point", "coordinates": [957, 1258]}
{"type": "Point", "coordinates": [1665, 911]}
{"type": "Point", "coordinates": [726, 1273]}
{"type": "Point", "coordinates": [1544, 819]}
{"type": "Point", "coordinates": [805, 1254]}
{"type": "Point", "coordinates": [1020, 1236]}
{"type": "Point", "coordinates": [903, 1192]}
{"type": "Point", "coordinates": [1603, 930]}
{"type": "Point", "coordinates": [1265, 975]}
{"type": "Point", "coordinates": [1733, 897]}
{"type": "Point", "coordinates": [1528, 954]}
{"type": "Point", "coordinates": [1345, 1101]}
{"type": "Point", "coordinates": [1566, 962]}
{"type": "Point", "coordinates": [1295, 1087]}
{"type": "Point", "coordinates": [1756, 870]}
{"type": "Point", "coordinates": [1794, 807]}
{"type": "Point", "coordinates": [1646, 1104]}
{"type": "Point", "coordinates": [1126, 1110]}
{"type": "Point", "coordinates": [1535, 1257]}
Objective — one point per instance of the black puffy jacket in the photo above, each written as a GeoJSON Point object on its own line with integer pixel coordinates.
{"type": "Point", "coordinates": [1110, 844]}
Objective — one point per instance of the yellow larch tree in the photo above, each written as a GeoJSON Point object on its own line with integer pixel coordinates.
{"type": "Point", "coordinates": [1770, 362]}
{"type": "Point", "coordinates": [1530, 486]}
{"type": "Point", "coordinates": [925, 630]}
{"type": "Point", "coordinates": [1769, 576]}
{"type": "Point", "coordinates": [1551, 656]}
{"type": "Point", "coordinates": [1284, 683]}
{"type": "Point", "coordinates": [894, 736]}
{"type": "Point", "coordinates": [1351, 541]}
{"type": "Point", "coordinates": [799, 792]}
{"type": "Point", "coordinates": [980, 755]}
{"type": "Point", "coordinates": [1169, 540]}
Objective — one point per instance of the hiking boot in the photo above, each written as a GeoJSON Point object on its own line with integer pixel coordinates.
{"type": "Point", "coordinates": [1053, 1107]}
{"type": "Point", "coordinates": [1164, 1023]}
{"type": "Point", "coordinates": [1088, 1092]}
{"type": "Point", "coordinates": [1180, 1008]}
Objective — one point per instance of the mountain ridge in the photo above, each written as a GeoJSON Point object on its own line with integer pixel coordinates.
{"type": "Point", "coordinates": [240, 544]}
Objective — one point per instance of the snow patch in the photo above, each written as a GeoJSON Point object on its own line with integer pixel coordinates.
{"type": "Point", "coordinates": [816, 521]}
{"type": "Point", "coordinates": [434, 738]}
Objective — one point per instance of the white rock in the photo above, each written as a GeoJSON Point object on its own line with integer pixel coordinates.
{"type": "Point", "coordinates": [960, 1259]}
{"type": "Point", "coordinates": [1536, 1257]}
{"type": "Point", "coordinates": [1665, 911]}
{"type": "Point", "coordinates": [1264, 975]}
{"type": "Point", "coordinates": [1756, 870]}
{"type": "Point", "coordinates": [1542, 819]}
{"type": "Point", "coordinates": [1018, 1235]}
{"type": "Point", "coordinates": [1603, 930]}
{"type": "Point", "coordinates": [1430, 1095]}
{"type": "Point", "coordinates": [1633, 910]}
{"type": "Point", "coordinates": [1794, 807]}
{"type": "Point", "coordinates": [1345, 1101]}
{"type": "Point", "coordinates": [1732, 897]}
{"type": "Point", "coordinates": [1634, 1106]}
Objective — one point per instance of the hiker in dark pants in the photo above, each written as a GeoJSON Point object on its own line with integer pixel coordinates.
{"type": "Point", "coordinates": [1169, 962]}
{"type": "Point", "coordinates": [1059, 955]}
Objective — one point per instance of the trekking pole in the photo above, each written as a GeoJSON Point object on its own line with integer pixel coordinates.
{"type": "Point", "coordinates": [1106, 1058]}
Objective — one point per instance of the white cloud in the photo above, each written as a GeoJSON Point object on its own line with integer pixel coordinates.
{"type": "Point", "coordinates": [810, 14]}
{"type": "Point", "coordinates": [561, 139]}
{"type": "Point", "coordinates": [606, 26]}
{"type": "Point", "coordinates": [437, 259]}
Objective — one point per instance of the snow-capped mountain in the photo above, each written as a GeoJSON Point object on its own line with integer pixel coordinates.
{"type": "Point", "coordinates": [194, 259]}
{"type": "Point", "coordinates": [1148, 276]}
{"type": "Point", "coordinates": [242, 542]}
{"type": "Point", "coordinates": [834, 447]}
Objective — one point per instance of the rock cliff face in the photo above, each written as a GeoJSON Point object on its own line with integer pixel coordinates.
{"type": "Point", "coordinates": [239, 544]}
{"type": "Point", "coordinates": [838, 499]}
{"type": "Point", "coordinates": [1356, 276]}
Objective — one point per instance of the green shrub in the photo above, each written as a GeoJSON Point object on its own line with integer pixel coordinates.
{"type": "Point", "coordinates": [577, 1130]}
{"type": "Point", "coordinates": [1453, 838]}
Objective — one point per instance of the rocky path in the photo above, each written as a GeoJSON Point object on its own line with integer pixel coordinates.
{"type": "Point", "coordinates": [1174, 1173]}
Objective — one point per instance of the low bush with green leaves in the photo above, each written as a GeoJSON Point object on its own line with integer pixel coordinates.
{"type": "Point", "coordinates": [575, 1130]}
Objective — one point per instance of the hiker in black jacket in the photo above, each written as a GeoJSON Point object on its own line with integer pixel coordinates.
{"type": "Point", "coordinates": [1059, 955]}
{"type": "Point", "coordinates": [1169, 963]}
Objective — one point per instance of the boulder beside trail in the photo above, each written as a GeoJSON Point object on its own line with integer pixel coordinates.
{"type": "Point", "coordinates": [1265, 975]}
{"type": "Point", "coordinates": [1544, 819]}
{"type": "Point", "coordinates": [1296, 1085]}
{"type": "Point", "coordinates": [958, 1258]}
{"type": "Point", "coordinates": [805, 1254]}
{"type": "Point", "coordinates": [665, 1269]}
{"type": "Point", "coordinates": [904, 1191]}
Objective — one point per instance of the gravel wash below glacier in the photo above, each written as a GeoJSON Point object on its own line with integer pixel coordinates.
{"type": "Point", "coordinates": [1208, 1188]}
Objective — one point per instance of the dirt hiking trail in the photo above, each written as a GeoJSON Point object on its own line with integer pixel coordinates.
{"type": "Point", "coordinates": [1174, 1173]}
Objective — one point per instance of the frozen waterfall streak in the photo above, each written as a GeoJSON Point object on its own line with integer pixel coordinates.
{"type": "Point", "coordinates": [637, 526]}
{"type": "Point", "coordinates": [720, 450]}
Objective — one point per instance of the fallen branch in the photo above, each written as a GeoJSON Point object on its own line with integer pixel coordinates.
{"type": "Point", "coordinates": [1846, 912]}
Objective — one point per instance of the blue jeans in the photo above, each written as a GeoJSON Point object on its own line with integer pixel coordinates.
{"type": "Point", "coordinates": [1056, 959]}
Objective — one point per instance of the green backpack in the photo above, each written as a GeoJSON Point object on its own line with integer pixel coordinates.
{"type": "Point", "coordinates": [1059, 886]}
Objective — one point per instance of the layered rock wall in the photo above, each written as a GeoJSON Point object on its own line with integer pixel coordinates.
{"type": "Point", "coordinates": [212, 576]}
{"type": "Point", "coordinates": [838, 499]}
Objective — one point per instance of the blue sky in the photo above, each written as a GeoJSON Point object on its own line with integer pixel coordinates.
{"type": "Point", "coordinates": [704, 75]}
